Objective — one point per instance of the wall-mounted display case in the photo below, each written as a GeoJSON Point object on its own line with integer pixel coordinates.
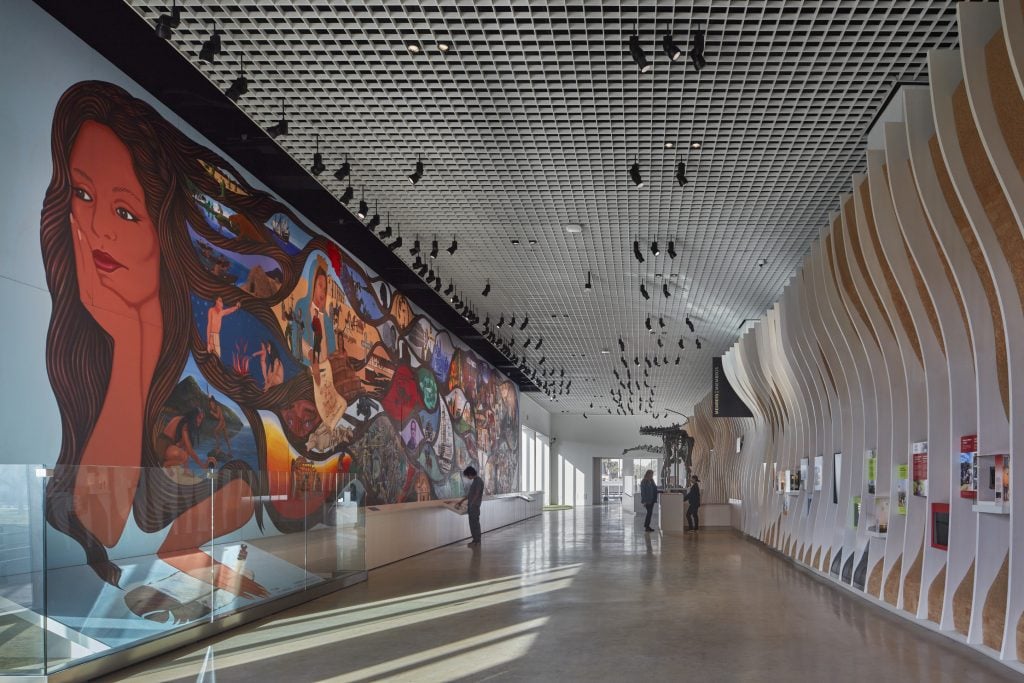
{"type": "Point", "coordinates": [920, 468]}
{"type": "Point", "coordinates": [992, 477]}
{"type": "Point", "coordinates": [940, 526]}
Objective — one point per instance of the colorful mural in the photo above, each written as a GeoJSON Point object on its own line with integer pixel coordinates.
{"type": "Point", "coordinates": [214, 359]}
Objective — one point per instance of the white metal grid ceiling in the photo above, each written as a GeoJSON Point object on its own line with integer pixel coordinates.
{"type": "Point", "coordinates": [531, 121]}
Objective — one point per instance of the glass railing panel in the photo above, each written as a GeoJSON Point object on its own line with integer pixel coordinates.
{"type": "Point", "coordinates": [23, 637]}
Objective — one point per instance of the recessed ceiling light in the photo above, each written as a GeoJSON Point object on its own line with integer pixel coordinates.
{"type": "Point", "coordinates": [444, 46]}
{"type": "Point", "coordinates": [669, 144]}
{"type": "Point", "coordinates": [603, 351]}
{"type": "Point", "coordinates": [657, 275]}
{"type": "Point", "coordinates": [514, 241]}
{"type": "Point", "coordinates": [532, 241]}
{"type": "Point", "coordinates": [413, 48]}
{"type": "Point", "coordinates": [695, 145]}
{"type": "Point", "coordinates": [574, 228]}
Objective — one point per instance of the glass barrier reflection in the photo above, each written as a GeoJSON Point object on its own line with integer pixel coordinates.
{"type": "Point", "coordinates": [97, 559]}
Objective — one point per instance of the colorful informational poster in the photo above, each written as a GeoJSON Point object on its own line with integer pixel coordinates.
{"type": "Point", "coordinates": [920, 468]}
{"type": "Point", "coordinates": [902, 484]}
{"type": "Point", "coordinates": [1002, 477]}
{"type": "Point", "coordinates": [855, 511]}
{"type": "Point", "coordinates": [968, 466]}
{"type": "Point", "coordinates": [872, 461]}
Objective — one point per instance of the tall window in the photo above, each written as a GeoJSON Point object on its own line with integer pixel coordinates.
{"type": "Point", "coordinates": [535, 471]}
{"type": "Point", "coordinates": [641, 465]}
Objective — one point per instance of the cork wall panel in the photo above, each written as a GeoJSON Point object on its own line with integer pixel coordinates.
{"type": "Point", "coordinates": [993, 614]}
{"type": "Point", "coordinates": [978, 259]}
{"type": "Point", "coordinates": [936, 595]}
{"type": "Point", "coordinates": [891, 593]}
{"type": "Point", "coordinates": [875, 579]}
{"type": "Point", "coordinates": [828, 563]}
{"type": "Point", "coordinates": [846, 280]}
{"type": "Point", "coordinates": [902, 312]}
{"type": "Point", "coordinates": [1006, 98]}
{"type": "Point", "coordinates": [828, 369]}
{"type": "Point", "coordinates": [962, 601]}
{"type": "Point", "coordinates": [858, 250]}
{"type": "Point", "coordinates": [912, 583]}
{"type": "Point", "coordinates": [946, 269]}
{"type": "Point", "coordinates": [986, 184]}
{"type": "Point", "coordinates": [817, 558]}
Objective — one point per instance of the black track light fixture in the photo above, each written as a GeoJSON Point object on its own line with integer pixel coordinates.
{"type": "Point", "coordinates": [501, 322]}
{"type": "Point", "coordinates": [417, 263]}
{"type": "Point", "coordinates": [673, 51]}
{"type": "Point", "coordinates": [526, 321]}
{"type": "Point", "coordinates": [240, 85]}
{"type": "Point", "coordinates": [696, 343]}
{"type": "Point", "coordinates": [654, 248]}
{"type": "Point", "coordinates": [541, 361]}
{"type": "Point", "coordinates": [661, 323]}
{"type": "Point", "coordinates": [539, 342]}
{"type": "Point", "coordinates": [661, 344]}
{"type": "Point", "coordinates": [636, 251]}
{"type": "Point", "coordinates": [647, 324]}
{"type": "Point", "coordinates": [397, 244]}
{"type": "Point", "coordinates": [681, 174]}
{"type": "Point", "coordinates": [636, 361]}
{"type": "Point", "coordinates": [166, 23]}
{"type": "Point", "coordinates": [487, 321]}
{"type": "Point", "coordinates": [526, 344]}
{"type": "Point", "coordinates": [211, 47]}
{"type": "Point", "coordinates": [415, 248]}
{"type": "Point", "coordinates": [453, 247]}
{"type": "Point", "coordinates": [648, 362]}
{"type": "Point", "coordinates": [637, 53]}
{"type": "Point", "coordinates": [374, 219]}
{"type": "Point", "coordinates": [487, 289]}
{"type": "Point", "coordinates": [634, 174]}
{"type": "Point", "coordinates": [664, 290]}
{"type": "Point", "coordinates": [347, 195]}
{"type": "Point", "coordinates": [677, 360]}
{"type": "Point", "coordinates": [386, 232]}
{"type": "Point", "coordinates": [437, 285]}
{"type": "Point", "coordinates": [281, 127]}
{"type": "Point", "coordinates": [512, 322]}
{"type": "Point", "coordinates": [589, 286]}
{"type": "Point", "coordinates": [622, 344]}
{"type": "Point", "coordinates": [364, 208]}
{"type": "Point", "coordinates": [671, 249]}
{"type": "Point", "coordinates": [431, 277]}
{"type": "Point", "coordinates": [433, 249]}
{"type": "Point", "coordinates": [417, 172]}
{"type": "Point", "coordinates": [344, 172]}
{"type": "Point", "coordinates": [681, 344]}
{"type": "Point", "coordinates": [697, 51]}
{"type": "Point", "coordinates": [451, 288]}
{"type": "Point", "coordinates": [689, 324]}
{"type": "Point", "coordinates": [643, 291]}
{"type": "Point", "coordinates": [318, 160]}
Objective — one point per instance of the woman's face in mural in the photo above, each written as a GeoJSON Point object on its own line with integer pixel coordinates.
{"type": "Point", "coordinates": [428, 388]}
{"type": "Point", "coordinates": [116, 247]}
{"type": "Point", "coordinates": [301, 418]}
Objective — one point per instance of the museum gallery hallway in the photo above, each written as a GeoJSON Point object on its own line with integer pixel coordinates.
{"type": "Point", "coordinates": [583, 595]}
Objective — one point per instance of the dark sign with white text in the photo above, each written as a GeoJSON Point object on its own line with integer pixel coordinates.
{"type": "Point", "coordinates": [724, 400]}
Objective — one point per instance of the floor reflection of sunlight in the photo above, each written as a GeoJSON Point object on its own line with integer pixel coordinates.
{"type": "Point", "coordinates": [288, 636]}
{"type": "Point", "coordinates": [464, 657]}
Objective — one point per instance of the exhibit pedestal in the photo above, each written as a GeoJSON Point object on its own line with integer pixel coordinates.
{"type": "Point", "coordinates": [673, 511]}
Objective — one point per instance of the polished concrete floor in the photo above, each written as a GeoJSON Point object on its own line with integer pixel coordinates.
{"type": "Point", "coordinates": [583, 595]}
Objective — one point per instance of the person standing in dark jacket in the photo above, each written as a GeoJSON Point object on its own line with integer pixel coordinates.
{"type": "Point", "coordinates": [473, 499]}
{"type": "Point", "coordinates": [693, 498]}
{"type": "Point", "coordinates": [648, 496]}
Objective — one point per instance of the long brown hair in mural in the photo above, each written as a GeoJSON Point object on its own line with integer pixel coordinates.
{"type": "Point", "coordinates": [207, 352]}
